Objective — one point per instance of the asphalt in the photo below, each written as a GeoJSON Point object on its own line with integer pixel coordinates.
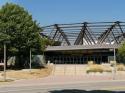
{"type": "Point", "coordinates": [112, 86]}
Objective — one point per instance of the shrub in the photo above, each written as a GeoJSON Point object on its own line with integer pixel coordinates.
{"type": "Point", "coordinates": [38, 61]}
{"type": "Point", "coordinates": [107, 68]}
{"type": "Point", "coordinates": [90, 62]}
{"type": "Point", "coordinates": [95, 68]}
{"type": "Point", "coordinates": [121, 67]}
{"type": "Point", "coordinates": [98, 68]}
{"type": "Point", "coordinates": [113, 63]}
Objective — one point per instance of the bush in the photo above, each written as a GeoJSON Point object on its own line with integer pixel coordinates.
{"type": "Point", "coordinates": [90, 62]}
{"type": "Point", "coordinates": [38, 61]}
{"type": "Point", "coordinates": [113, 63]}
{"type": "Point", "coordinates": [98, 68]}
{"type": "Point", "coordinates": [95, 68]}
{"type": "Point", "coordinates": [120, 67]}
{"type": "Point", "coordinates": [107, 68]}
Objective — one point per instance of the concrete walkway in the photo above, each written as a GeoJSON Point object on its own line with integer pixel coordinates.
{"type": "Point", "coordinates": [67, 74]}
{"type": "Point", "coordinates": [61, 79]}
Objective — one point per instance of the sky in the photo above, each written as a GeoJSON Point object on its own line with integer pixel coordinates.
{"type": "Point", "coordinates": [48, 12]}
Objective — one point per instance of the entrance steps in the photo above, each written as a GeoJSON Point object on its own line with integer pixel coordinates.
{"type": "Point", "coordinates": [67, 69]}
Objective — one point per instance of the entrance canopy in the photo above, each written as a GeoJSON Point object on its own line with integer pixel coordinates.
{"type": "Point", "coordinates": [81, 47]}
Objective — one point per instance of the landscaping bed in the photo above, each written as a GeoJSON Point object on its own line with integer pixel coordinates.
{"type": "Point", "coordinates": [104, 68]}
{"type": "Point", "coordinates": [27, 74]}
{"type": "Point", "coordinates": [98, 68]}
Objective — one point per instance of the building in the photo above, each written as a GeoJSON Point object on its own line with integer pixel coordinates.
{"type": "Point", "coordinates": [79, 43]}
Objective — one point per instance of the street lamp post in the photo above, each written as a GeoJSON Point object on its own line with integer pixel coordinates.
{"type": "Point", "coordinates": [114, 55]}
{"type": "Point", "coordinates": [5, 43]}
{"type": "Point", "coordinates": [30, 59]}
{"type": "Point", "coordinates": [4, 61]}
{"type": "Point", "coordinates": [114, 71]}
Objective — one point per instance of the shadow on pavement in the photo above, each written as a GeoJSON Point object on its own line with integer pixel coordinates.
{"type": "Point", "coordinates": [84, 91]}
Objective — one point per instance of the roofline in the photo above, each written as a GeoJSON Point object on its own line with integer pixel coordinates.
{"type": "Point", "coordinates": [81, 47]}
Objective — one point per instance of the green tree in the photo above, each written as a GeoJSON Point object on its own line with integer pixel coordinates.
{"type": "Point", "coordinates": [17, 25]}
{"type": "Point", "coordinates": [121, 54]}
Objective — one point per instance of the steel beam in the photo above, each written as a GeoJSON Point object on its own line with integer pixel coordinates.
{"type": "Point", "coordinates": [87, 33]}
{"type": "Point", "coordinates": [63, 34]}
{"type": "Point", "coordinates": [105, 34]}
{"type": "Point", "coordinates": [81, 35]}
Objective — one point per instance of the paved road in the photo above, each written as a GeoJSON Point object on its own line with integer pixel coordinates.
{"type": "Point", "coordinates": [85, 87]}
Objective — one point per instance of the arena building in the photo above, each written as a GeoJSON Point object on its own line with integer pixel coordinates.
{"type": "Point", "coordinates": [79, 43]}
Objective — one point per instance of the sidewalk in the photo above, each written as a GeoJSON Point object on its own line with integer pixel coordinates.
{"type": "Point", "coordinates": [55, 80]}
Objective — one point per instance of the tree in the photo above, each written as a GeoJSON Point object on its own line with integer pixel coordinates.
{"type": "Point", "coordinates": [121, 54]}
{"type": "Point", "coordinates": [17, 25]}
